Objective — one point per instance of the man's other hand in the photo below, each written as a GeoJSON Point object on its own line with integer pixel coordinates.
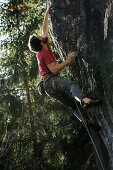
{"type": "Point", "coordinates": [72, 56]}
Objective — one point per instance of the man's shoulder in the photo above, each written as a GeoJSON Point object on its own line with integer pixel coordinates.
{"type": "Point", "coordinates": [39, 54]}
{"type": "Point", "coordinates": [43, 53]}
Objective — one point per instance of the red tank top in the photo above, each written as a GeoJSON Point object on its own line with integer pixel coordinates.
{"type": "Point", "coordinates": [44, 58]}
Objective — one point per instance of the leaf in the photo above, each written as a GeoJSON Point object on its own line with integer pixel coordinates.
{"type": "Point", "coordinates": [21, 6]}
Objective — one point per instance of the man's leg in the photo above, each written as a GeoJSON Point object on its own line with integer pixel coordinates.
{"type": "Point", "coordinates": [68, 87]}
{"type": "Point", "coordinates": [64, 91]}
{"type": "Point", "coordinates": [57, 85]}
{"type": "Point", "coordinates": [71, 88]}
{"type": "Point", "coordinates": [67, 92]}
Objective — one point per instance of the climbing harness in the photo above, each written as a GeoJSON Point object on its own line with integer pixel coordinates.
{"type": "Point", "coordinates": [41, 86]}
{"type": "Point", "coordinates": [90, 136]}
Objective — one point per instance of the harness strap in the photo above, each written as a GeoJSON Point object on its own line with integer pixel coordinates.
{"type": "Point", "coordinates": [44, 76]}
{"type": "Point", "coordinates": [52, 84]}
{"type": "Point", "coordinates": [46, 73]}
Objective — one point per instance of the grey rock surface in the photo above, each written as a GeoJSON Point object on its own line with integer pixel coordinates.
{"type": "Point", "coordinates": [86, 26]}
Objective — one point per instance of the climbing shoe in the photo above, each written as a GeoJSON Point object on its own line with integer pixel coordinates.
{"type": "Point", "coordinates": [93, 125]}
{"type": "Point", "coordinates": [91, 103]}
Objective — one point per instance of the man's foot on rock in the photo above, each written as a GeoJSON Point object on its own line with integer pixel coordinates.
{"type": "Point", "coordinates": [91, 103]}
{"type": "Point", "coordinates": [93, 125]}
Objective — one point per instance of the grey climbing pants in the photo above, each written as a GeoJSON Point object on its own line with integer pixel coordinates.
{"type": "Point", "coordinates": [65, 91]}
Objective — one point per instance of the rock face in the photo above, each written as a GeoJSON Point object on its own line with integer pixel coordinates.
{"type": "Point", "coordinates": [86, 26]}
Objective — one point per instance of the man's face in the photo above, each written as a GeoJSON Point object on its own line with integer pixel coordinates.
{"type": "Point", "coordinates": [39, 37]}
{"type": "Point", "coordinates": [43, 40]}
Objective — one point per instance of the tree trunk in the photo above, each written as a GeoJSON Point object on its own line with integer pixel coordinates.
{"type": "Point", "coordinates": [33, 130]}
{"type": "Point", "coordinates": [86, 26]}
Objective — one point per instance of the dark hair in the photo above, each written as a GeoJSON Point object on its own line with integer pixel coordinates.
{"type": "Point", "coordinates": [34, 44]}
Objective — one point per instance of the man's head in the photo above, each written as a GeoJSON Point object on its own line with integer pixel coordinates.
{"type": "Point", "coordinates": [34, 43]}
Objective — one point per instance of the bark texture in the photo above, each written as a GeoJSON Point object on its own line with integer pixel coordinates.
{"type": "Point", "coordinates": [87, 27]}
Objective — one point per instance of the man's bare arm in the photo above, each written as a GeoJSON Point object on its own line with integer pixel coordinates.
{"type": "Point", "coordinates": [56, 68]}
{"type": "Point", "coordinates": [45, 23]}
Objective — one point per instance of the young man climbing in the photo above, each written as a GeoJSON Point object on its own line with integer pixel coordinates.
{"type": "Point", "coordinates": [64, 90]}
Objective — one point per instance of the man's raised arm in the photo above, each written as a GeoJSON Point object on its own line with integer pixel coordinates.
{"type": "Point", "coordinates": [45, 23]}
